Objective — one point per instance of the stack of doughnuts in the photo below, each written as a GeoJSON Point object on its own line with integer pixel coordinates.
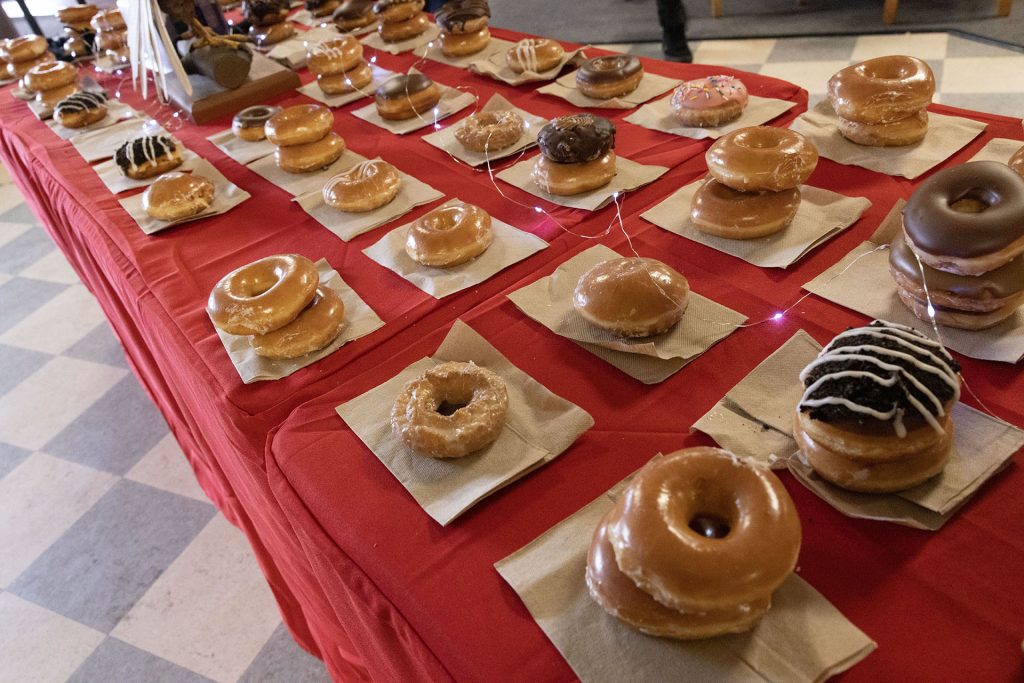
{"type": "Point", "coordinates": [339, 66]}
{"type": "Point", "coordinates": [883, 102]}
{"type": "Point", "coordinates": [279, 302]}
{"type": "Point", "coordinates": [111, 35]}
{"type": "Point", "coordinates": [404, 96]}
{"type": "Point", "coordinates": [603, 78]}
{"type": "Point", "coordinates": [304, 139]}
{"type": "Point", "coordinates": [711, 101]}
{"type": "Point", "coordinates": [576, 154]}
{"type": "Point", "coordinates": [695, 546]}
{"type": "Point", "coordinates": [754, 184]}
{"type": "Point", "coordinates": [249, 124]}
{"type": "Point", "coordinates": [366, 186]}
{"type": "Point", "coordinates": [268, 19]}
{"type": "Point", "coordinates": [354, 14]}
{"type": "Point", "coordinates": [960, 256]}
{"type": "Point", "coordinates": [75, 19]}
{"type": "Point", "coordinates": [400, 19]}
{"type": "Point", "coordinates": [449, 236]}
{"type": "Point", "coordinates": [51, 82]}
{"type": "Point", "coordinates": [875, 415]}
{"type": "Point", "coordinates": [23, 53]}
{"type": "Point", "coordinates": [321, 8]}
{"type": "Point", "coordinates": [632, 297]}
{"type": "Point", "coordinates": [464, 26]}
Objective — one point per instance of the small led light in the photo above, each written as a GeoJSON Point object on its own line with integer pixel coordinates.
{"type": "Point", "coordinates": [437, 126]}
{"type": "Point", "coordinates": [931, 311]}
{"type": "Point", "coordinates": [373, 59]}
{"type": "Point", "coordinates": [777, 316]}
{"type": "Point", "coordinates": [437, 111]}
{"type": "Point", "coordinates": [538, 209]}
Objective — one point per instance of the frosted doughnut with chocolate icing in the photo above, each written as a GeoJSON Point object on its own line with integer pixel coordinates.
{"type": "Point", "coordinates": [611, 76]}
{"type": "Point", "coordinates": [463, 16]}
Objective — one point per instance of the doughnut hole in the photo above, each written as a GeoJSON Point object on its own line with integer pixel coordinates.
{"type": "Point", "coordinates": [975, 200]}
{"type": "Point", "coordinates": [756, 138]}
{"type": "Point", "coordinates": [710, 526]}
{"type": "Point", "coordinates": [704, 509]}
{"type": "Point", "coordinates": [888, 71]}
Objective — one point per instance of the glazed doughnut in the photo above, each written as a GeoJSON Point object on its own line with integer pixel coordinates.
{"type": "Point", "coordinates": [459, 17]}
{"type": "Point", "coordinates": [19, 69]}
{"type": "Point", "coordinates": [334, 56]}
{"type": "Point", "coordinates": [81, 109]}
{"type": "Point", "coordinates": [50, 98]}
{"type": "Point", "coordinates": [76, 15]}
{"type": "Point", "coordinates": [882, 90]}
{"type": "Point", "coordinates": [875, 413]}
{"type": "Point", "coordinates": [605, 77]}
{"type": "Point", "coordinates": [264, 295]}
{"type": "Point", "coordinates": [449, 236]}
{"type": "Point", "coordinates": [406, 95]}
{"type": "Point", "coordinates": [25, 48]}
{"type": "Point", "coordinates": [174, 196]}
{"type": "Point", "coordinates": [462, 44]}
{"type": "Point", "coordinates": [968, 219]}
{"type": "Point", "coordinates": [316, 326]}
{"type": "Point", "coordinates": [566, 180]}
{"type": "Point", "coordinates": [108, 20]}
{"type": "Point", "coordinates": [299, 125]}
{"type": "Point", "coordinates": [1016, 162]}
{"type": "Point", "coordinates": [535, 55]}
{"type": "Point", "coordinates": [366, 186]}
{"type": "Point", "coordinates": [711, 101]}
{"type": "Point", "coordinates": [272, 34]}
{"type": "Point", "coordinates": [148, 156]}
{"type": "Point", "coordinates": [321, 8]}
{"type": "Point", "coordinates": [703, 529]}
{"type": "Point", "coordinates": [50, 75]}
{"type": "Point", "coordinates": [490, 130]}
{"type": "Point", "coordinates": [353, 14]}
{"type": "Point", "coordinates": [632, 297]}
{"type": "Point", "coordinates": [421, 416]}
{"type": "Point", "coordinates": [762, 158]}
{"type": "Point", "coordinates": [311, 156]}
{"type": "Point", "coordinates": [718, 209]}
{"type": "Point", "coordinates": [900, 133]}
{"type": "Point", "coordinates": [358, 78]}
{"type": "Point", "coordinates": [396, 32]}
{"type": "Point", "coordinates": [265, 12]}
{"type": "Point", "coordinates": [394, 11]}
{"type": "Point", "coordinates": [249, 123]}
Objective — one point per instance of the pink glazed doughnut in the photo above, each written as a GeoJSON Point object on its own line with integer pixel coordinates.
{"type": "Point", "coordinates": [709, 101]}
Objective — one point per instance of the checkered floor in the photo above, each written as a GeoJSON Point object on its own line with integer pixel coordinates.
{"type": "Point", "coordinates": [90, 476]}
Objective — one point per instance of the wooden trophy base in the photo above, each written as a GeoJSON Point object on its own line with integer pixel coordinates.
{"type": "Point", "coordinates": [209, 101]}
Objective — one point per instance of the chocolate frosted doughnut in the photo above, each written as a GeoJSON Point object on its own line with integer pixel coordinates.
{"type": "Point", "coordinates": [402, 86]}
{"type": "Point", "coordinates": [576, 138]}
{"type": "Point", "coordinates": [463, 16]}
{"type": "Point", "coordinates": [610, 69]}
{"type": "Point", "coordinates": [985, 233]}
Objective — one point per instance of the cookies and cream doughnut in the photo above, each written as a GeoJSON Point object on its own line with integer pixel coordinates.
{"type": "Point", "coordinates": [366, 186]}
{"type": "Point", "coordinates": [762, 158]}
{"type": "Point", "coordinates": [717, 209]}
{"type": "Point", "coordinates": [406, 95]}
{"type": "Point", "coordinates": [316, 326]}
{"type": "Point", "coordinates": [535, 55]}
{"type": "Point", "coordinates": [334, 56]}
{"type": "Point", "coordinates": [576, 154]}
{"type": "Point", "coordinates": [299, 125]}
{"type": "Point", "coordinates": [354, 14]}
{"type": "Point", "coordinates": [603, 78]}
{"type": "Point", "coordinates": [711, 101]}
{"type": "Point", "coordinates": [80, 109]}
{"type": "Point", "coordinates": [451, 410]}
{"type": "Point", "coordinates": [360, 76]}
{"type": "Point", "coordinates": [449, 236]}
{"type": "Point", "coordinates": [249, 123]}
{"type": "Point", "coordinates": [311, 156]}
{"type": "Point", "coordinates": [396, 32]}
{"type": "Point", "coordinates": [264, 295]}
{"type": "Point", "coordinates": [174, 196]}
{"type": "Point", "coordinates": [490, 130]}
{"type": "Point", "coordinates": [148, 156]}
{"type": "Point", "coordinates": [632, 297]}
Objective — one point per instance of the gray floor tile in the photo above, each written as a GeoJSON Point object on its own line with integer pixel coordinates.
{"type": "Point", "coordinates": [18, 364]}
{"type": "Point", "coordinates": [21, 213]}
{"type": "Point", "coordinates": [10, 457]}
{"type": "Point", "coordinates": [114, 433]}
{"type": "Point", "coordinates": [282, 661]}
{"type": "Point", "coordinates": [965, 47]}
{"type": "Point", "coordinates": [1007, 104]}
{"type": "Point", "coordinates": [19, 297]}
{"type": "Point", "coordinates": [813, 49]}
{"type": "Point", "coordinates": [24, 250]}
{"type": "Point", "coordinates": [107, 560]}
{"type": "Point", "coordinates": [99, 346]}
{"type": "Point", "coordinates": [115, 661]}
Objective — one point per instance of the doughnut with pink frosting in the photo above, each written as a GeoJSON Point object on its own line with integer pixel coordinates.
{"type": "Point", "coordinates": [710, 101]}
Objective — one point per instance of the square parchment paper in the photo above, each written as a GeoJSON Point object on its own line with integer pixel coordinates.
{"type": "Point", "coordinates": [822, 215]}
{"type": "Point", "coordinates": [242, 151]}
{"type": "Point", "coordinates": [755, 418]}
{"type": "Point", "coordinates": [651, 359]}
{"type": "Point", "coordinates": [102, 143]}
{"type": "Point", "coordinates": [651, 85]}
{"type": "Point", "coordinates": [292, 52]}
{"type": "Point", "coordinates": [451, 102]}
{"type": "Point", "coordinates": [313, 91]}
{"type": "Point", "coordinates": [497, 68]}
{"type": "Point", "coordinates": [445, 138]}
{"type": "Point", "coordinates": [117, 111]}
{"type": "Point", "coordinates": [412, 193]}
{"type": "Point", "coordinates": [510, 246]}
{"type": "Point", "coordinates": [946, 136]}
{"type": "Point", "coordinates": [360, 320]}
{"type": "Point", "coordinates": [861, 281]}
{"type": "Point", "coordinates": [298, 184]}
{"type": "Point", "coordinates": [539, 426]}
{"type": "Point", "coordinates": [802, 638]}
{"type": "Point", "coordinates": [432, 50]}
{"type": "Point", "coordinates": [376, 42]}
{"type": "Point", "coordinates": [658, 115]}
{"type": "Point", "coordinates": [998, 149]}
{"type": "Point", "coordinates": [226, 196]}
{"type": "Point", "coordinates": [117, 182]}
{"type": "Point", "coordinates": [629, 175]}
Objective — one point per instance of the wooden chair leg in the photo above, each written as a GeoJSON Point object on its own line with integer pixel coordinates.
{"type": "Point", "coordinates": [716, 8]}
{"type": "Point", "coordinates": [1003, 7]}
{"type": "Point", "coordinates": [889, 12]}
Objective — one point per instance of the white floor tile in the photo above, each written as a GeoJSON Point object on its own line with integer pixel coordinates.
{"type": "Point", "coordinates": [5, 176]}
{"type": "Point", "coordinates": [238, 614]}
{"type": "Point", "coordinates": [984, 75]}
{"type": "Point", "coordinates": [8, 231]}
{"type": "Point", "coordinates": [811, 76]}
{"type": "Point", "coordinates": [4, 277]}
{"type": "Point", "coordinates": [59, 323]}
{"type": "Point", "coordinates": [754, 51]}
{"type": "Point", "coordinates": [39, 645]}
{"type": "Point", "coordinates": [10, 197]}
{"type": "Point", "coordinates": [48, 400]}
{"type": "Point", "coordinates": [921, 45]}
{"type": "Point", "coordinates": [53, 268]}
{"type": "Point", "coordinates": [165, 467]}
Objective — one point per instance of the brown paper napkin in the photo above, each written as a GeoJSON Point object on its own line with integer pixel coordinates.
{"type": "Point", "coordinates": [412, 193]}
{"type": "Point", "coordinates": [629, 176]}
{"type": "Point", "coordinates": [510, 246]}
{"type": "Point", "coordinates": [861, 281]}
{"type": "Point", "coordinates": [539, 426]}
{"type": "Point", "coordinates": [313, 91]}
{"type": "Point", "coordinates": [242, 151]}
{"type": "Point", "coordinates": [650, 360]}
{"type": "Point", "coordinates": [117, 112]}
{"type": "Point", "coordinates": [946, 136]}
{"type": "Point", "coordinates": [764, 403]}
{"type": "Point", "coordinates": [651, 85]}
{"type": "Point", "coordinates": [292, 52]}
{"type": "Point", "coordinates": [497, 68]}
{"type": "Point", "coordinates": [658, 115]}
{"type": "Point", "coordinates": [227, 196]}
{"type": "Point", "coordinates": [102, 143]}
{"type": "Point", "coordinates": [822, 215]}
{"type": "Point", "coordinates": [451, 102]}
{"type": "Point", "coordinates": [998, 149]}
{"type": "Point", "coordinates": [376, 42]}
{"type": "Point", "coordinates": [360, 320]}
{"type": "Point", "coordinates": [432, 50]}
{"type": "Point", "coordinates": [117, 182]}
{"type": "Point", "coordinates": [802, 638]}
{"type": "Point", "coordinates": [298, 184]}
{"type": "Point", "coordinates": [445, 138]}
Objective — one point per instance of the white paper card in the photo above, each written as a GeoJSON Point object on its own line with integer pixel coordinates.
{"type": "Point", "coordinates": [658, 115]}
{"type": "Point", "coordinates": [445, 138]}
{"type": "Point", "coordinates": [313, 91]}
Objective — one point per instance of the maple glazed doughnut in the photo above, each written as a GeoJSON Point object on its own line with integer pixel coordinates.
{"type": "Point", "coordinates": [603, 78]}
{"type": "Point", "coordinates": [762, 158]}
{"type": "Point", "coordinates": [536, 55]}
{"type": "Point", "coordinates": [632, 297]}
{"type": "Point", "coordinates": [50, 75]}
{"type": "Point", "coordinates": [366, 186]}
{"type": "Point", "coordinates": [703, 529]}
{"type": "Point", "coordinates": [315, 327]}
{"type": "Point", "coordinates": [490, 130]}
{"type": "Point", "coordinates": [717, 209]}
{"type": "Point", "coordinates": [310, 156]}
{"type": "Point", "coordinates": [264, 295]}
{"type": "Point", "coordinates": [422, 417]}
{"type": "Point", "coordinates": [449, 236]}
{"type": "Point", "coordinates": [882, 90]}
{"type": "Point", "coordinates": [249, 123]}
{"type": "Point", "coordinates": [299, 125]}
{"type": "Point", "coordinates": [406, 95]}
{"type": "Point", "coordinates": [710, 101]}
{"type": "Point", "coordinates": [334, 56]}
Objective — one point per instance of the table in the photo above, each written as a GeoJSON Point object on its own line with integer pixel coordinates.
{"type": "Point", "coordinates": [364, 579]}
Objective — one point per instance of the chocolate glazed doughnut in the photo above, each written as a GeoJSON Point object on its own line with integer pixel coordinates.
{"type": "Point", "coordinates": [463, 16]}
{"type": "Point", "coordinates": [576, 139]}
{"type": "Point", "coordinates": [606, 77]}
{"type": "Point", "coordinates": [968, 219]}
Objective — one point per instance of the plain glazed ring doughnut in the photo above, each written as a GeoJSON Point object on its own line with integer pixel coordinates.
{"type": "Point", "coordinates": [703, 529]}
{"type": "Point", "coordinates": [451, 410]}
{"type": "Point", "coordinates": [882, 90]}
{"type": "Point", "coordinates": [605, 77]}
{"type": "Point", "coordinates": [449, 236]}
{"type": "Point", "coordinates": [632, 297]}
{"type": "Point", "coordinates": [536, 55]}
{"type": "Point", "coordinates": [403, 30]}
{"type": "Point", "coordinates": [364, 187]}
{"type": "Point", "coordinates": [968, 219]}
{"type": "Point", "coordinates": [490, 130]}
{"type": "Point", "coordinates": [762, 158]}
{"type": "Point", "coordinates": [710, 101]}
{"type": "Point", "coordinates": [311, 156]}
{"type": "Point", "coordinates": [900, 133]}
{"type": "Point", "coordinates": [315, 327]}
{"type": "Point", "coordinates": [25, 48]}
{"type": "Point", "coordinates": [718, 209]}
{"type": "Point", "coordinates": [334, 56]}
{"type": "Point", "coordinates": [248, 124]}
{"type": "Point", "coordinates": [299, 125]}
{"type": "Point", "coordinates": [462, 44]}
{"type": "Point", "coordinates": [50, 75]}
{"type": "Point", "coordinates": [263, 296]}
